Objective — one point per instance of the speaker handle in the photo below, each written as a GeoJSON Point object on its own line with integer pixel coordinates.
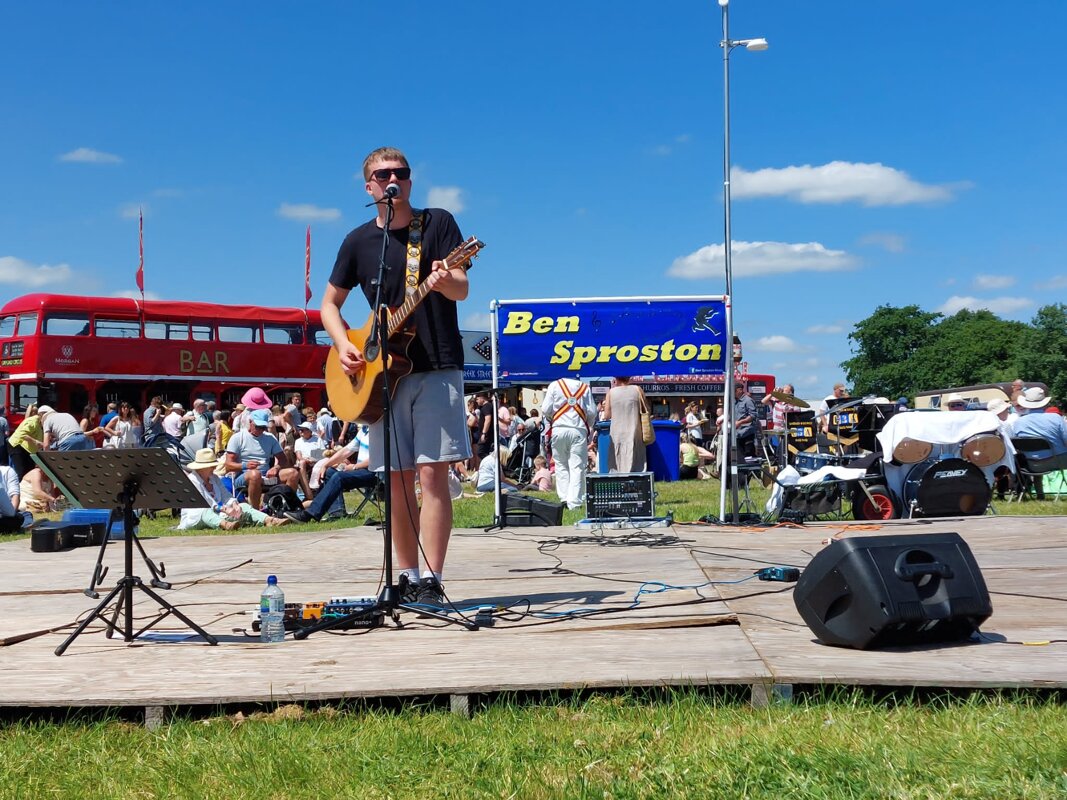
{"type": "Point", "coordinates": [915, 572]}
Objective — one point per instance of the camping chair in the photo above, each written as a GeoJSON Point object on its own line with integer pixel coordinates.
{"type": "Point", "coordinates": [1035, 457]}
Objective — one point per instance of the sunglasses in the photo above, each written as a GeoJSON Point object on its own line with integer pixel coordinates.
{"type": "Point", "coordinates": [401, 173]}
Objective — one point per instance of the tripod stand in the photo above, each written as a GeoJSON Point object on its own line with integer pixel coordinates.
{"type": "Point", "coordinates": [389, 601]}
{"type": "Point", "coordinates": [120, 479]}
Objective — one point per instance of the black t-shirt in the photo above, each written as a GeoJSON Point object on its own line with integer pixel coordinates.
{"type": "Point", "coordinates": [437, 344]}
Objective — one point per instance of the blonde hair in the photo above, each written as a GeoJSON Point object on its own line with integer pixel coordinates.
{"type": "Point", "coordinates": [382, 154]}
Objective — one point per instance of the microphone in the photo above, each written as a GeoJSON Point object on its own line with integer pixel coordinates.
{"type": "Point", "coordinates": [391, 191]}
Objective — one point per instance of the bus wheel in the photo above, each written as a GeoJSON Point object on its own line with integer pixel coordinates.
{"type": "Point", "coordinates": [881, 507]}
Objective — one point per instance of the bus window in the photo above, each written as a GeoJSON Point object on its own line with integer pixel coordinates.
{"type": "Point", "coordinates": [66, 324]}
{"type": "Point", "coordinates": [118, 328]}
{"type": "Point", "coordinates": [319, 335]}
{"type": "Point", "coordinates": [27, 324]}
{"type": "Point", "coordinates": [7, 326]}
{"type": "Point", "coordinates": [166, 330]}
{"type": "Point", "coordinates": [23, 395]}
{"type": "Point", "coordinates": [238, 333]}
{"type": "Point", "coordinates": [283, 334]}
{"type": "Point", "coordinates": [202, 332]}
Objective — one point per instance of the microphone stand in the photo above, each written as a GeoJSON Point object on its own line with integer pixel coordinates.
{"type": "Point", "coordinates": [389, 601]}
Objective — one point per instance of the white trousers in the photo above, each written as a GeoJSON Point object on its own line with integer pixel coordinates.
{"type": "Point", "coordinates": [570, 449]}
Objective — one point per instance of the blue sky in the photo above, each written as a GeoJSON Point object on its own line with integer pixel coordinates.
{"type": "Point", "coordinates": [884, 152]}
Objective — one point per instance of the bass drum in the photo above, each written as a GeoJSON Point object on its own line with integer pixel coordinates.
{"type": "Point", "coordinates": [949, 487]}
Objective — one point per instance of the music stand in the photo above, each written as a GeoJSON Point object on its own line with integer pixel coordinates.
{"type": "Point", "coordinates": [113, 479]}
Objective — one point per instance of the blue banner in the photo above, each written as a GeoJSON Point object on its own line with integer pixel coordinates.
{"type": "Point", "coordinates": [541, 340]}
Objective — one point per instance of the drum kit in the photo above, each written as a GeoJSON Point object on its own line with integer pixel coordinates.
{"type": "Point", "coordinates": [933, 480]}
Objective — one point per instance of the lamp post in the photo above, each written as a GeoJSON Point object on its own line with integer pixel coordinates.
{"type": "Point", "coordinates": [727, 44]}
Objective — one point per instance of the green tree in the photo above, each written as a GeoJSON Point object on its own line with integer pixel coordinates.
{"type": "Point", "coordinates": [1043, 355]}
{"type": "Point", "coordinates": [884, 345]}
{"type": "Point", "coordinates": [972, 347]}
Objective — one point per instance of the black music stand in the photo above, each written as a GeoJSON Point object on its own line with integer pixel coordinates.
{"type": "Point", "coordinates": [112, 479]}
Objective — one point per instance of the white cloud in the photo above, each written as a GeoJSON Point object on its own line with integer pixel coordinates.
{"type": "Point", "coordinates": [668, 149]}
{"type": "Point", "coordinates": [998, 305]}
{"type": "Point", "coordinates": [86, 155]}
{"type": "Point", "coordinates": [132, 210]}
{"type": "Point", "coordinates": [838, 182]}
{"type": "Point", "coordinates": [993, 281]}
{"type": "Point", "coordinates": [33, 276]}
{"type": "Point", "coordinates": [478, 322]}
{"type": "Point", "coordinates": [808, 380]}
{"type": "Point", "coordinates": [134, 294]}
{"type": "Point", "coordinates": [1055, 282]}
{"type": "Point", "coordinates": [760, 258]}
{"type": "Point", "coordinates": [450, 198]}
{"type": "Point", "coordinates": [890, 242]}
{"type": "Point", "coordinates": [306, 212]}
{"type": "Point", "coordinates": [775, 344]}
{"type": "Point", "coordinates": [825, 329]}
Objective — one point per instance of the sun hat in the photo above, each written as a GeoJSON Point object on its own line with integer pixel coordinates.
{"type": "Point", "coordinates": [205, 459]}
{"type": "Point", "coordinates": [307, 426]}
{"type": "Point", "coordinates": [177, 406]}
{"type": "Point", "coordinates": [260, 418]}
{"type": "Point", "coordinates": [955, 397]}
{"type": "Point", "coordinates": [902, 401]}
{"type": "Point", "coordinates": [42, 410]}
{"type": "Point", "coordinates": [256, 398]}
{"type": "Point", "coordinates": [997, 406]}
{"type": "Point", "coordinates": [323, 411]}
{"type": "Point", "coordinates": [1034, 397]}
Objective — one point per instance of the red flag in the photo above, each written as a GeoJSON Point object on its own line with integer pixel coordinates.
{"type": "Point", "coordinates": [307, 269]}
{"type": "Point", "coordinates": [140, 250]}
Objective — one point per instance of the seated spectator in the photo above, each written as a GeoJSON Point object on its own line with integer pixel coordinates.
{"type": "Point", "coordinates": [486, 481]}
{"type": "Point", "coordinates": [689, 456]}
{"type": "Point", "coordinates": [11, 519]}
{"type": "Point", "coordinates": [37, 494]}
{"type": "Point", "coordinates": [308, 451]}
{"type": "Point", "coordinates": [258, 459]}
{"type": "Point", "coordinates": [542, 477]}
{"type": "Point", "coordinates": [224, 511]}
{"type": "Point", "coordinates": [27, 438]}
{"type": "Point", "coordinates": [340, 477]}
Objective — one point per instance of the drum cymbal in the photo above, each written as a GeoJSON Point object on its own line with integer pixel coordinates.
{"type": "Point", "coordinates": [792, 400]}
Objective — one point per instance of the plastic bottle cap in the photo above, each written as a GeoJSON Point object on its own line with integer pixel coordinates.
{"type": "Point", "coordinates": [272, 580]}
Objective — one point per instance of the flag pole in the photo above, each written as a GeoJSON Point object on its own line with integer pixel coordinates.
{"type": "Point", "coordinates": [307, 273]}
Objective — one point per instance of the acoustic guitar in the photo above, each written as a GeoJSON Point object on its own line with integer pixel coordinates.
{"type": "Point", "coordinates": [358, 397]}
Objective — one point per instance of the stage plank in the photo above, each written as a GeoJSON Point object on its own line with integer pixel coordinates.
{"type": "Point", "coordinates": [725, 633]}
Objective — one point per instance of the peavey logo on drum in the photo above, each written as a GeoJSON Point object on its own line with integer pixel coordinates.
{"type": "Point", "coordinates": [949, 473]}
{"type": "Point", "coordinates": [67, 357]}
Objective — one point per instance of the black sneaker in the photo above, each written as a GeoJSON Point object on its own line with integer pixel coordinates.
{"type": "Point", "coordinates": [431, 593]}
{"type": "Point", "coordinates": [300, 516]}
{"type": "Point", "coordinates": [409, 592]}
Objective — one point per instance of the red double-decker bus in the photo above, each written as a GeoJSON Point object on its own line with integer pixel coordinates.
{"type": "Point", "coordinates": [69, 352]}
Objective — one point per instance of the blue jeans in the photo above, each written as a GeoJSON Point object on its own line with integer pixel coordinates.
{"type": "Point", "coordinates": [76, 441]}
{"type": "Point", "coordinates": [337, 483]}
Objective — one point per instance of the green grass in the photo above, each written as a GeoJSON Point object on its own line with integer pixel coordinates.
{"type": "Point", "coordinates": [638, 745]}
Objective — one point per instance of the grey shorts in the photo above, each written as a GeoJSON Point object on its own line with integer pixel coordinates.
{"type": "Point", "coordinates": [429, 422]}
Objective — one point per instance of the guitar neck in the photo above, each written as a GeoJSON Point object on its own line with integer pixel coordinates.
{"type": "Point", "coordinates": [398, 317]}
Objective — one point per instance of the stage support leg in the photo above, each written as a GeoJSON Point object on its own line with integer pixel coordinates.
{"type": "Point", "coordinates": [768, 694]}
{"type": "Point", "coordinates": [460, 705]}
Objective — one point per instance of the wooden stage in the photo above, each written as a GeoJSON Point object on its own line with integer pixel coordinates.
{"type": "Point", "coordinates": [746, 634]}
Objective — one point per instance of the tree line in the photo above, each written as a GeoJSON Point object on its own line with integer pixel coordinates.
{"type": "Point", "coordinates": [899, 351]}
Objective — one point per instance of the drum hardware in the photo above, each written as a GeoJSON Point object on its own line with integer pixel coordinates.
{"type": "Point", "coordinates": [789, 399]}
{"type": "Point", "coordinates": [807, 463]}
{"type": "Point", "coordinates": [946, 487]}
{"type": "Point", "coordinates": [983, 449]}
{"type": "Point", "coordinates": [912, 451]}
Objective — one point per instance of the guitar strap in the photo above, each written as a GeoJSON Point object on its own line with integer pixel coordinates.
{"type": "Point", "coordinates": [414, 251]}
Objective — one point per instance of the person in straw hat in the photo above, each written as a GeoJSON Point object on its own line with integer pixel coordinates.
{"type": "Point", "coordinates": [224, 511]}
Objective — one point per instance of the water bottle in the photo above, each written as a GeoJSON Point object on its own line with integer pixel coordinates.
{"type": "Point", "coordinates": [272, 612]}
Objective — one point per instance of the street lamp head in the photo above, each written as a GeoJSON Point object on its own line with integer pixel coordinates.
{"type": "Point", "coordinates": [724, 3]}
{"type": "Point", "coordinates": [755, 44]}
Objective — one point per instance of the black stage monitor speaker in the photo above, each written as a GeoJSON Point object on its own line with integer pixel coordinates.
{"type": "Point", "coordinates": [523, 511]}
{"type": "Point", "coordinates": [884, 591]}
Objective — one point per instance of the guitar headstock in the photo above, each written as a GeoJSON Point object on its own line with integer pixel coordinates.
{"type": "Point", "coordinates": [464, 254]}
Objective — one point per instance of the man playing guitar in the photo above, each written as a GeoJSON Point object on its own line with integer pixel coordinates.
{"type": "Point", "coordinates": [428, 425]}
